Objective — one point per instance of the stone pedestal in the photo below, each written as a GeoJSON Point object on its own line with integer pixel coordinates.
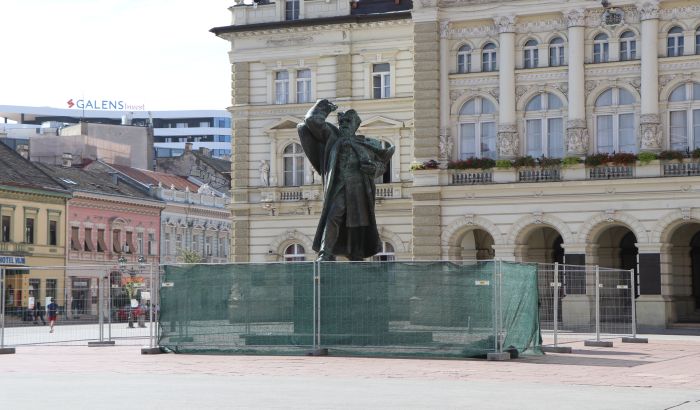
{"type": "Point", "coordinates": [653, 311]}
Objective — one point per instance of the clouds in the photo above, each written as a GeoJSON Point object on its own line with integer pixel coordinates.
{"type": "Point", "coordinates": [153, 52]}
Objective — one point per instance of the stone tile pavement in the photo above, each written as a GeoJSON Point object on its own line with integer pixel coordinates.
{"type": "Point", "coordinates": [663, 374]}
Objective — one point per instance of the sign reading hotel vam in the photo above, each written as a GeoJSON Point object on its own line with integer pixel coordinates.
{"type": "Point", "coordinates": [87, 104]}
{"type": "Point", "coordinates": [12, 260]}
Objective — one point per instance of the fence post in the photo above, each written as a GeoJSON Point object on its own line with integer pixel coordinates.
{"type": "Point", "coordinates": [555, 293]}
{"type": "Point", "coordinates": [597, 303]}
{"type": "Point", "coordinates": [3, 349]}
{"type": "Point", "coordinates": [100, 307]}
{"type": "Point", "coordinates": [152, 348]}
{"type": "Point", "coordinates": [633, 293]}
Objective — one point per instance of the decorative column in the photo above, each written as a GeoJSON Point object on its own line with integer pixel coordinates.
{"type": "Point", "coordinates": [649, 128]}
{"type": "Point", "coordinates": [445, 143]}
{"type": "Point", "coordinates": [576, 129]}
{"type": "Point", "coordinates": [426, 81]}
{"type": "Point", "coordinates": [240, 212]}
{"type": "Point", "coordinates": [508, 142]}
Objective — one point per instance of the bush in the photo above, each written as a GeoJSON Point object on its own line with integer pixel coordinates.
{"type": "Point", "coordinates": [622, 158]}
{"type": "Point", "coordinates": [472, 163]}
{"type": "Point", "coordinates": [526, 161]}
{"type": "Point", "coordinates": [597, 159]}
{"type": "Point", "coordinates": [504, 164]}
{"type": "Point", "coordinates": [546, 162]}
{"type": "Point", "coordinates": [432, 164]}
{"type": "Point", "coordinates": [569, 161]}
{"type": "Point", "coordinates": [646, 157]}
{"type": "Point", "coordinates": [671, 155]}
{"type": "Point", "coordinates": [696, 153]}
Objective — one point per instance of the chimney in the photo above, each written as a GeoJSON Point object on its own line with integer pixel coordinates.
{"type": "Point", "coordinates": [188, 147]}
{"type": "Point", "coordinates": [23, 150]}
{"type": "Point", "coordinates": [67, 160]}
{"type": "Point", "coordinates": [205, 151]}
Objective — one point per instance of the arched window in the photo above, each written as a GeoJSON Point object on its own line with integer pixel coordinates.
{"type": "Point", "coordinates": [530, 54]}
{"type": "Point", "coordinates": [488, 58]}
{"type": "Point", "coordinates": [614, 115]}
{"type": "Point", "coordinates": [628, 46]}
{"type": "Point", "coordinates": [544, 126]}
{"type": "Point", "coordinates": [386, 177]}
{"type": "Point", "coordinates": [684, 117]}
{"type": "Point", "coordinates": [556, 52]}
{"type": "Point", "coordinates": [477, 129]}
{"type": "Point", "coordinates": [464, 59]}
{"type": "Point", "coordinates": [600, 48]}
{"type": "Point", "coordinates": [387, 253]}
{"type": "Point", "coordinates": [674, 42]}
{"type": "Point", "coordinates": [293, 165]}
{"type": "Point", "coordinates": [294, 253]}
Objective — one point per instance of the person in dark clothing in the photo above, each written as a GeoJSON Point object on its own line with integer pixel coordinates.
{"type": "Point", "coordinates": [52, 312]}
{"type": "Point", "coordinates": [38, 313]}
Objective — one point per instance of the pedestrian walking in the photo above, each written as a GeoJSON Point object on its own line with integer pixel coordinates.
{"type": "Point", "coordinates": [52, 311]}
{"type": "Point", "coordinates": [38, 313]}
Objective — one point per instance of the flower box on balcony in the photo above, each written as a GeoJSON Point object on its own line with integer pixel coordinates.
{"type": "Point", "coordinates": [429, 177]}
{"type": "Point", "coordinates": [649, 169]}
{"type": "Point", "coordinates": [505, 175]}
{"type": "Point", "coordinates": [573, 172]}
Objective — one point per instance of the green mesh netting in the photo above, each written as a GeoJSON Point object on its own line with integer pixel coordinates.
{"type": "Point", "coordinates": [437, 309]}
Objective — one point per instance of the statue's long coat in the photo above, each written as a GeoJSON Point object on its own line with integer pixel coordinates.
{"type": "Point", "coordinates": [359, 237]}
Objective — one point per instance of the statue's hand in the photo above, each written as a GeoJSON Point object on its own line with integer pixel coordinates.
{"type": "Point", "coordinates": [326, 106]}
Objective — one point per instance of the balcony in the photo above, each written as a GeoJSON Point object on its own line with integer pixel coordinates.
{"type": "Point", "coordinates": [13, 248]}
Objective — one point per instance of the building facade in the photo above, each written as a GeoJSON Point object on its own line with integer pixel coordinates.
{"type": "Point", "coordinates": [105, 220]}
{"type": "Point", "coordinates": [32, 227]}
{"type": "Point", "coordinates": [461, 81]}
{"type": "Point", "coordinates": [210, 129]}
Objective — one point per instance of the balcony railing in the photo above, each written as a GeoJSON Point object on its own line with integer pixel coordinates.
{"type": "Point", "coordinates": [681, 169]}
{"type": "Point", "coordinates": [471, 177]}
{"type": "Point", "coordinates": [611, 172]}
{"type": "Point", "coordinates": [13, 247]}
{"type": "Point", "coordinates": [539, 175]}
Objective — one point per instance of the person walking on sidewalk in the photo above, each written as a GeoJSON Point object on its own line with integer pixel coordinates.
{"type": "Point", "coordinates": [38, 313]}
{"type": "Point", "coordinates": [52, 312]}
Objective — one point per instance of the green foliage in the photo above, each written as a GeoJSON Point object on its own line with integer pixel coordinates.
{"type": "Point", "coordinates": [597, 159]}
{"type": "Point", "coordinates": [472, 163]}
{"type": "Point", "coordinates": [189, 256]}
{"type": "Point", "coordinates": [646, 157]}
{"type": "Point", "coordinates": [696, 153]}
{"type": "Point", "coordinates": [671, 155]}
{"type": "Point", "coordinates": [504, 164]}
{"type": "Point", "coordinates": [622, 158]}
{"type": "Point", "coordinates": [526, 161]}
{"type": "Point", "coordinates": [432, 164]}
{"type": "Point", "coordinates": [547, 162]}
{"type": "Point", "coordinates": [569, 161]}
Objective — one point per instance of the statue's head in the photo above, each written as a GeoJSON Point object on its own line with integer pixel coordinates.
{"type": "Point", "coordinates": [349, 121]}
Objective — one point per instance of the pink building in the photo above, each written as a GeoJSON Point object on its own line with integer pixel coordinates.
{"type": "Point", "coordinates": [106, 218]}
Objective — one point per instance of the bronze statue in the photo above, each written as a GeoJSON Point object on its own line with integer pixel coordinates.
{"type": "Point", "coordinates": [348, 165]}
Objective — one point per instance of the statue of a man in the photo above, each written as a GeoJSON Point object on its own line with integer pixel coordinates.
{"type": "Point", "coordinates": [348, 165]}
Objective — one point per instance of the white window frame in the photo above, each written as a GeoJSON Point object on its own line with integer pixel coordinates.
{"type": "Point", "coordinates": [697, 41]}
{"type": "Point", "coordinates": [303, 86]}
{"type": "Point", "coordinates": [543, 115]}
{"type": "Point", "coordinates": [464, 59]}
{"type": "Point", "coordinates": [531, 58]}
{"type": "Point", "coordinates": [676, 37]}
{"type": "Point", "coordinates": [384, 78]}
{"type": "Point", "coordinates": [294, 252]}
{"type": "Point", "coordinates": [478, 120]}
{"type": "Point", "coordinates": [556, 52]}
{"type": "Point", "coordinates": [294, 10]}
{"type": "Point", "coordinates": [688, 106]}
{"type": "Point", "coordinates": [296, 155]}
{"type": "Point", "coordinates": [628, 46]}
{"type": "Point", "coordinates": [489, 58]}
{"type": "Point", "coordinates": [281, 87]}
{"type": "Point", "coordinates": [601, 48]}
{"type": "Point", "coordinates": [615, 110]}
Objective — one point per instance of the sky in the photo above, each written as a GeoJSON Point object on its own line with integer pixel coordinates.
{"type": "Point", "coordinates": [155, 53]}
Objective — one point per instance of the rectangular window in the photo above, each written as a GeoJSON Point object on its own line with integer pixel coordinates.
{"type": "Point", "coordinates": [696, 129]}
{"type": "Point", "coordinates": [303, 86]}
{"type": "Point", "coordinates": [74, 238]}
{"type": "Point", "coordinates": [555, 138]}
{"type": "Point", "coordinates": [51, 288]}
{"type": "Point", "coordinates": [222, 249]}
{"type": "Point", "coordinates": [34, 288]}
{"type": "Point", "coordinates": [116, 241]}
{"type": "Point", "coordinates": [604, 133]}
{"type": "Point", "coordinates": [628, 50]}
{"type": "Point", "coordinates": [291, 10]}
{"type": "Point", "coordinates": [129, 247]}
{"type": "Point", "coordinates": [600, 52]}
{"type": "Point", "coordinates": [467, 142]}
{"type": "Point", "coordinates": [381, 80]}
{"type": "Point", "coordinates": [281, 87]}
{"type": "Point", "coordinates": [151, 244]}
{"type": "Point", "coordinates": [6, 228]}
{"type": "Point", "coordinates": [195, 244]}
{"type": "Point", "coordinates": [204, 124]}
{"type": "Point", "coordinates": [531, 58]}
{"type": "Point", "coordinates": [207, 246]}
{"type": "Point", "coordinates": [88, 240]}
{"type": "Point", "coordinates": [627, 139]}
{"type": "Point", "coordinates": [166, 243]}
{"type": "Point", "coordinates": [29, 230]}
{"type": "Point", "coordinates": [679, 134]}
{"type": "Point", "coordinates": [556, 56]}
{"type": "Point", "coordinates": [139, 242]}
{"type": "Point", "coordinates": [534, 138]}
{"type": "Point", "coordinates": [101, 240]}
{"type": "Point", "coordinates": [53, 233]}
{"type": "Point", "coordinates": [488, 140]}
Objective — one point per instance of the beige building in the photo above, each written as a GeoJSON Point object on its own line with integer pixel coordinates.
{"type": "Point", "coordinates": [451, 80]}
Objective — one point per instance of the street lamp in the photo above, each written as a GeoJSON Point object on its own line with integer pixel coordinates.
{"type": "Point", "coordinates": [122, 263]}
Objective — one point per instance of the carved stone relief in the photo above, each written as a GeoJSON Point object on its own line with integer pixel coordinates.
{"type": "Point", "coordinates": [508, 142]}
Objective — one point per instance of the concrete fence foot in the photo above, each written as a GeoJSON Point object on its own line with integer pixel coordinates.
{"type": "Point", "coordinates": [635, 340]}
{"type": "Point", "coordinates": [556, 349]}
{"type": "Point", "coordinates": [100, 344]}
{"type": "Point", "coordinates": [7, 350]}
{"type": "Point", "coordinates": [598, 343]}
{"type": "Point", "coordinates": [151, 350]}
{"type": "Point", "coordinates": [498, 356]}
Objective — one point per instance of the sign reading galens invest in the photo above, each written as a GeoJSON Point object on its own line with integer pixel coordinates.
{"type": "Point", "coordinates": [94, 104]}
{"type": "Point", "coordinates": [12, 260]}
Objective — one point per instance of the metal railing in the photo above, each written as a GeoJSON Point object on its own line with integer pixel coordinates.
{"type": "Point", "coordinates": [611, 172]}
{"type": "Point", "coordinates": [681, 169]}
{"type": "Point", "coordinates": [539, 175]}
{"type": "Point", "coordinates": [471, 177]}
